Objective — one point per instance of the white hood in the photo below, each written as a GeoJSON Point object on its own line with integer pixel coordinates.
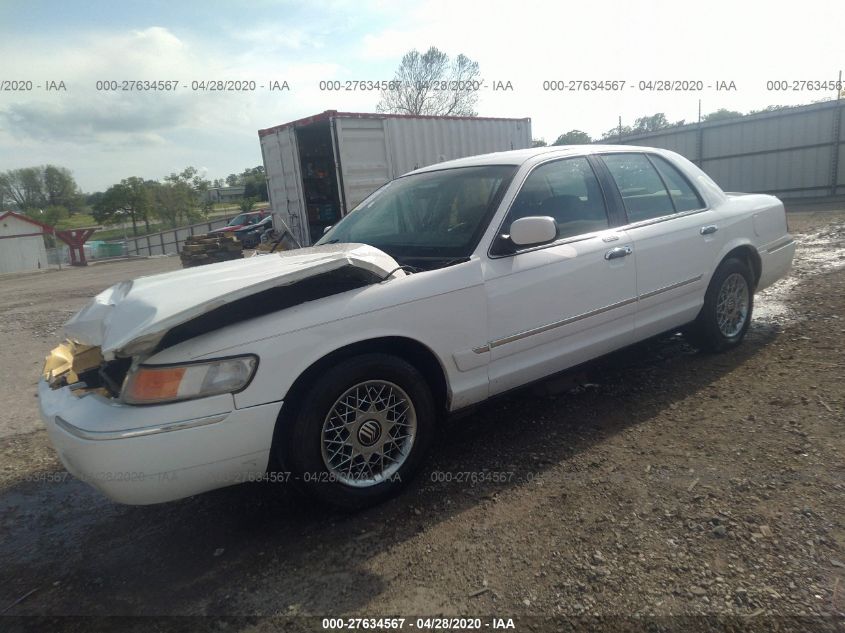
{"type": "Point", "coordinates": [133, 316]}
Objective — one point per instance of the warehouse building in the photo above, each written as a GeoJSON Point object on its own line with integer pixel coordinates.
{"type": "Point", "coordinates": [21, 243]}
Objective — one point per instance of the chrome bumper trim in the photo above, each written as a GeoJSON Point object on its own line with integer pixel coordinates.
{"type": "Point", "coordinates": [138, 432]}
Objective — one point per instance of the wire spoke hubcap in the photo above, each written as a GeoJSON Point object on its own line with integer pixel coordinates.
{"type": "Point", "coordinates": [368, 433]}
{"type": "Point", "coordinates": [732, 305]}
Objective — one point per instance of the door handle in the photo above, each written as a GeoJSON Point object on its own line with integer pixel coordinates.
{"type": "Point", "coordinates": [619, 251]}
{"type": "Point", "coordinates": [709, 229]}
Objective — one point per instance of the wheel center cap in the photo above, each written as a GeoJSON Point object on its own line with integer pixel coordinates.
{"type": "Point", "coordinates": [369, 433]}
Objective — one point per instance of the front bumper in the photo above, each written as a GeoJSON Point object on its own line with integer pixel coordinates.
{"type": "Point", "coordinates": [152, 454]}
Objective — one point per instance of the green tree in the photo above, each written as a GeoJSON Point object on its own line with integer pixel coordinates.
{"type": "Point", "coordinates": [60, 189]}
{"type": "Point", "coordinates": [130, 197]}
{"type": "Point", "coordinates": [23, 187]}
{"type": "Point", "coordinates": [191, 189]}
{"type": "Point", "coordinates": [539, 142]}
{"type": "Point", "coordinates": [38, 187]}
{"type": "Point", "coordinates": [92, 199]}
{"type": "Point", "coordinates": [721, 114]}
{"type": "Point", "coordinates": [247, 204]}
{"type": "Point", "coordinates": [573, 137]}
{"type": "Point", "coordinates": [651, 123]}
{"type": "Point", "coordinates": [414, 89]}
{"type": "Point", "coordinates": [175, 203]}
{"type": "Point", "coordinates": [255, 183]}
{"type": "Point", "coordinates": [615, 132]}
{"type": "Point", "coordinates": [52, 214]}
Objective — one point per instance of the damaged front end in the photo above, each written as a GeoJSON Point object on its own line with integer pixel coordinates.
{"type": "Point", "coordinates": [132, 321]}
{"type": "Point", "coordinates": [84, 370]}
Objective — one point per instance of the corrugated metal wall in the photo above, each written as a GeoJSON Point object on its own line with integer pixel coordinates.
{"type": "Point", "coordinates": [19, 249]}
{"type": "Point", "coordinates": [374, 151]}
{"type": "Point", "coordinates": [794, 153]}
{"type": "Point", "coordinates": [22, 253]}
{"type": "Point", "coordinates": [416, 143]}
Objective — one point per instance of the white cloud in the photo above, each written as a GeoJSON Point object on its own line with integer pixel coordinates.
{"type": "Point", "coordinates": [524, 43]}
{"type": "Point", "coordinates": [144, 126]}
{"type": "Point", "coordinates": [528, 43]}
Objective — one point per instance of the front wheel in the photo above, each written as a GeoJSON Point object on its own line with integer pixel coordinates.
{"type": "Point", "coordinates": [728, 303]}
{"type": "Point", "coordinates": [361, 431]}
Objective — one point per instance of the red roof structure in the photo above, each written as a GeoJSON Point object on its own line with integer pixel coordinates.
{"type": "Point", "coordinates": [74, 238]}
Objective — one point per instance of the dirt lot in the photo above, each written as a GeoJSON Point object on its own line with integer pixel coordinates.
{"type": "Point", "coordinates": [658, 482]}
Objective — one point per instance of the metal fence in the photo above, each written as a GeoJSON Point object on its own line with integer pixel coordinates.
{"type": "Point", "coordinates": [170, 241]}
{"type": "Point", "coordinates": [794, 153]}
{"type": "Point", "coordinates": [58, 256]}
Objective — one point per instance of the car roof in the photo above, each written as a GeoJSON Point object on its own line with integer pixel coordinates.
{"type": "Point", "coordinates": [520, 156]}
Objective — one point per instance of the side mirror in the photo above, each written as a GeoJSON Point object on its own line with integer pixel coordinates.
{"type": "Point", "coordinates": [533, 230]}
{"type": "Point", "coordinates": [326, 230]}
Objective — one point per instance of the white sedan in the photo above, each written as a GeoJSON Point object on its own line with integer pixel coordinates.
{"type": "Point", "coordinates": [328, 367]}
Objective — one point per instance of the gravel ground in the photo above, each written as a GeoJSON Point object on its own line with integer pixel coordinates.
{"type": "Point", "coordinates": [655, 486]}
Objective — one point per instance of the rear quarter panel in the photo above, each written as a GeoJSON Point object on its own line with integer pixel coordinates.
{"type": "Point", "coordinates": [755, 220]}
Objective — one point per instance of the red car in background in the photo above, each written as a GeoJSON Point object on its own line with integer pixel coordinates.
{"type": "Point", "coordinates": [243, 220]}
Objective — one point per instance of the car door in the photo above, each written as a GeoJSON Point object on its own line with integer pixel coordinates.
{"type": "Point", "coordinates": [675, 236]}
{"type": "Point", "coordinates": [555, 305]}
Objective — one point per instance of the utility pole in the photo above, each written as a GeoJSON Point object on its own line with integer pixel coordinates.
{"type": "Point", "coordinates": [835, 147]}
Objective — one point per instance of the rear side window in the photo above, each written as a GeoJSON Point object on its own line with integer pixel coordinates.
{"type": "Point", "coordinates": [642, 190]}
{"type": "Point", "coordinates": [683, 195]}
{"type": "Point", "coordinates": [568, 191]}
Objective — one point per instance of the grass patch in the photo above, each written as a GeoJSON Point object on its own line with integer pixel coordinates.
{"type": "Point", "coordinates": [77, 221]}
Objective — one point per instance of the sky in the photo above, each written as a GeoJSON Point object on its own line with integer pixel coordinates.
{"type": "Point", "coordinates": [104, 136]}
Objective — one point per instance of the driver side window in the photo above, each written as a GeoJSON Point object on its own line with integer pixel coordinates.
{"type": "Point", "coordinates": [566, 190]}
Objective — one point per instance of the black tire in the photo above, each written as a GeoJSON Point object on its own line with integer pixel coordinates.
{"type": "Point", "coordinates": [704, 332]}
{"type": "Point", "coordinates": [300, 446]}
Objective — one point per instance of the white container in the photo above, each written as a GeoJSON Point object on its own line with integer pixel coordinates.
{"type": "Point", "coordinates": [319, 168]}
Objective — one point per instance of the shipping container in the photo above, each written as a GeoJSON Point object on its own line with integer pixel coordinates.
{"type": "Point", "coordinates": [320, 167]}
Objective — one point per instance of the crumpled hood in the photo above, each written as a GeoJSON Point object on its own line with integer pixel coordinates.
{"type": "Point", "coordinates": [132, 316]}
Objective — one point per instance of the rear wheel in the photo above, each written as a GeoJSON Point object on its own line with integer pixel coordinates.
{"type": "Point", "coordinates": [361, 431]}
{"type": "Point", "coordinates": [728, 303]}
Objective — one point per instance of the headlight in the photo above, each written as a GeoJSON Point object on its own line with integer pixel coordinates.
{"type": "Point", "coordinates": [151, 384]}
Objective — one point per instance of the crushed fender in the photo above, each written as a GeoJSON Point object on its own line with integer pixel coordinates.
{"type": "Point", "coordinates": [132, 318]}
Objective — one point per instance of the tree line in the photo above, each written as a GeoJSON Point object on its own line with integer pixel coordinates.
{"type": "Point", "coordinates": [49, 194]}
{"type": "Point", "coordinates": [651, 123]}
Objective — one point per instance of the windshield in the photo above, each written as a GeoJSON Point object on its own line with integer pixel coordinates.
{"type": "Point", "coordinates": [238, 220]}
{"type": "Point", "coordinates": [439, 214]}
